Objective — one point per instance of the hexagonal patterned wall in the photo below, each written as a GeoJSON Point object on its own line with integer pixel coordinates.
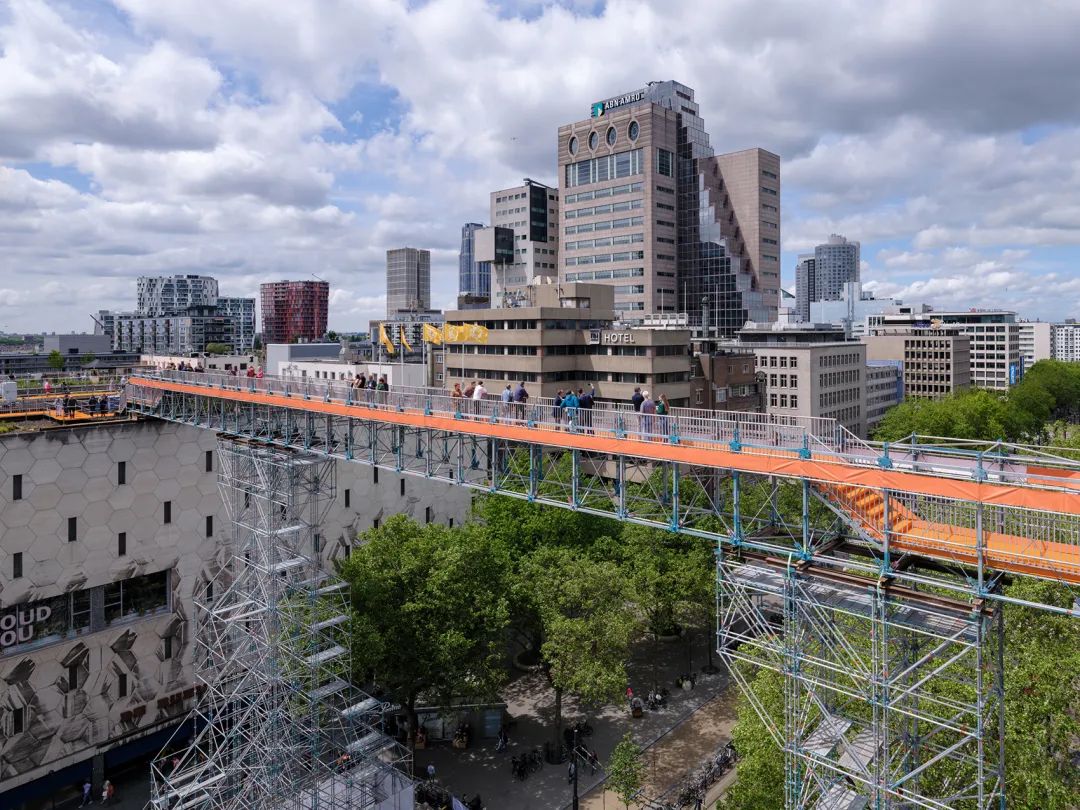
{"type": "Point", "coordinates": [74, 474]}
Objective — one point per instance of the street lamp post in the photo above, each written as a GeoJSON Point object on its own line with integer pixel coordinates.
{"type": "Point", "coordinates": [574, 765]}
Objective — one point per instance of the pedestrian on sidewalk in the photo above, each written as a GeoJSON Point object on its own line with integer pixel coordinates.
{"type": "Point", "coordinates": [431, 772]}
{"type": "Point", "coordinates": [87, 791]}
{"type": "Point", "coordinates": [571, 770]}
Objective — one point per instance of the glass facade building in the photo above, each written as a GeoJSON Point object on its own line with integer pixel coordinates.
{"type": "Point", "coordinates": [408, 281]}
{"type": "Point", "coordinates": [474, 277]}
{"type": "Point", "coordinates": [708, 225]}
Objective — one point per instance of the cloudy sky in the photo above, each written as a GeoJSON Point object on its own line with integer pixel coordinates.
{"type": "Point", "coordinates": [256, 140]}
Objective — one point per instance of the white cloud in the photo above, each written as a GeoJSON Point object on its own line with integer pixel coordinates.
{"type": "Point", "coordinates": [209, 135]}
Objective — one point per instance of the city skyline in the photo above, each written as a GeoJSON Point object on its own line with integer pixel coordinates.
{"type": "Point", "coordinates": [185, 140]}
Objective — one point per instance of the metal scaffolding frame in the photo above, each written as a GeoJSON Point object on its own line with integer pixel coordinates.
{"type": "Point", "coordinates": [280, 724]}
{"type": "Point", "coordinates": [880, 604]}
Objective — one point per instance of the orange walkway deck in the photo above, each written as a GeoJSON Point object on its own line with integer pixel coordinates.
{"type": "Point", "coordinates": [1058, 561]}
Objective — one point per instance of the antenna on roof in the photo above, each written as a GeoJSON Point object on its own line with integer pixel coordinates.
{"type": "Point", "coordinates": [319, 279]}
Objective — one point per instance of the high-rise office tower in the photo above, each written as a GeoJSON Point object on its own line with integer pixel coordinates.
{"type": "Point", "coordinates": [294, 311]}
{"type": "Point", "coordinates": [531, 211]}
{"type": "Point", "coordinates": [408, 280]}
{"type": "Point", "coordinates": [835, 264]}
{"type": "Point", "coordinates": [474, 277]}
{"type": "Point", "coordinates": [172, 295]}
{"type": "Point", "coordinates": [805, 281]}
{"type": "Point", "coordinates": [649, 209]}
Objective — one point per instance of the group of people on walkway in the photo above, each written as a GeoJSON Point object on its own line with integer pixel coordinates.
{"type": "Point", "coordinates": [373, 382]}
{"type": "Point", "coordinates": [654, 412]}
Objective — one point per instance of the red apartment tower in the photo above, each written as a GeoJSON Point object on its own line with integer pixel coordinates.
{"type": "Point", "coordinates": [294, 311]}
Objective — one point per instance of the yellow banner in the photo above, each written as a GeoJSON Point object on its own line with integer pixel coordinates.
{"type": "Point", "coordinates": [465, 333]}
{"type": "Point", "coordinates": [432, 334]}
{"type": "Point", "coordinates": [404, 342]}
{"type": "Point", "coordinates": [385, 340]}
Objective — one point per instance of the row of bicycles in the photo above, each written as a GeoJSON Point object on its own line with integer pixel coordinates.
{"type": "Point", "coordinates": [522, 766]}
{"type": "Point", "coordinates": [691, 793]}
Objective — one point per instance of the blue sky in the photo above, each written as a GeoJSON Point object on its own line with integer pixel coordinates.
{"type": "Point", "coordinates": [261, 141]}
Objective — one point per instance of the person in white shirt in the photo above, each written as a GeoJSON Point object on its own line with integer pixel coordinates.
{"type": "Point", "coordinates": [479, 392]}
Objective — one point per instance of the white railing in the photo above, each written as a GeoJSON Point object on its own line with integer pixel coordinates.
{"type": "Point", "coordinates": [816, 437]}
{"type": "Point", "coordinates": [542, 413]}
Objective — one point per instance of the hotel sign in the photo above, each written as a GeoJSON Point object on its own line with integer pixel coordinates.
{"type": "Point", "coordinates": [601, 107]}
{"type": "Point", "coordinates": [600, 337]}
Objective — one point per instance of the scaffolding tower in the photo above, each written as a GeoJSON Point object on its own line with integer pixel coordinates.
{"type": "Point", "coordinates": [279, 724]}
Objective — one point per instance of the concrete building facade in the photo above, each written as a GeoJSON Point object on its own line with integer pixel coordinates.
{"type": "Point", "coordinates": [935, 362]}
{"type": "Point", "coordinates": [650, 210]}
{"type": "Point", "coordinates": [995, 340]}
{"type": "Point", "coordinates": [531, 212]}
{"type": "Point", "coordinates": [884, 389]}
{"type": "Point", "coordinates": [169, 295]}
{"type": "Point", "coordinates": [294, 311]}
{"type": "Point", "coordinates": [810, 370]}
{"type": "Point", "coordinates": [563, 336]}
{"type": "Point", "coordinates": [408, 280]}
{"type": "Point", "coordinates": [1036, 341]}
{"type": "Point", "coordinates": [726, 380]}
{"type": "Point", "coordinates": [1066, 341]}
{"type": "Point", "coordinates": [108, 532]}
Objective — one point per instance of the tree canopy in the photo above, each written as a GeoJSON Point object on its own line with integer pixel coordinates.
{"type": "Point", "coordinates": [55, 360]}
{"type": "Point", "coordinates": [625, 770]}
{"type": "Point", "coordinates": [430, 610]}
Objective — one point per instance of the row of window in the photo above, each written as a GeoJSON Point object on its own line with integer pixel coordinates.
{"type": "Point", "coordinates": [121, 475]}
{"type": "Point", "coordinates": [601, 169]}
{"type": "Point", "coordinates": [778, 361]}
{"type": "Point", "coordinates": [831, 360]}
{"type": "Point", "coordinates": [600, 193]}
{"type": "Point", "coordinates": [784, 401]}
{"type": "Point", "coordinates": [606, 241]}
{"type": "Point", "coordinates": [603, 258]}
{"type": "Point", "coordinates": [36, 624]}
{"type": "Point", "coordinates": [603, 225]}
{"type": "Point", "coordinates": [606, 208]}
{"type": "Point", "coordinates": [831, 378]}
{"type": "Point", "coordinates": [610, 137]}
{"type": "Point", "coordinates": [830, 398]}
{"type": "Point", "coordinates": [600, 275]}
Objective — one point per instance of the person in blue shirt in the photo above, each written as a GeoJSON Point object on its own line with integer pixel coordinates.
{"type": "Point", "coordinates": [570, 404]}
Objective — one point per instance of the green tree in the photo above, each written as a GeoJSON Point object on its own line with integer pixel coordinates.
{"type": "Point", "coordinates": [586, 626]}
{"type": "Point", "coordinates": [625, 770]}
{"type": "Point", "coordinates": [55, 360]}
{"type": "Point", "coordinates": [973, 413]}
{"type": "Point", "coordinates": [431, 610]}
{"type": "Point", "coordinates": [88, 358]}
{"type": "Point", "coordinates": [1042, 700]}
{"type": "Point", "coordinates": [760, 785]}
{"type": "Point", "coordinates": [218, 348]}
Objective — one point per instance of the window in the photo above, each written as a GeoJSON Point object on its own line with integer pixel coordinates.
{"type": "Point", "coordinates": [611, 136]}
{"type": "Point", "coordinates": [121, 473]}
{"type": "Point", "coordinates": [121, 544]}
{"type": "Point", "coordinates": [209, 461]}
{"type": "Point", "coordinates": [594, 140]}
{"type": "Point", "coordinates": [18, 720]}
{"type": "Point", "coordinates": [121, 685]}
{"type": "Point", "coordinates": [168, 512]}
{"type": "Point", "coordinates": [209, 525]}
{"type": "Point", "coordinates": [665, 163]}
{"type": "Point", "coordinates": [427, 514]}
{"type": "Point", "coordinates": [16, 565]}
{"type": "Point", "coordinates": [632, 130]}
{"type": "Point", "coordinates": [138, 596]}
{"type": "Point", "coordinates": [73, 677]}
{"type": "Point", "coordinates": [16, 487]}
{"type": "Point", "coordinates": [73, 529]}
